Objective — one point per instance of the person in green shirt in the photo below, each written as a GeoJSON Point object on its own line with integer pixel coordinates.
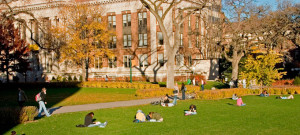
{"type": "Point", "coordinates": [155, 117]}
{"type": "Point", "coordinates": [189, 81]}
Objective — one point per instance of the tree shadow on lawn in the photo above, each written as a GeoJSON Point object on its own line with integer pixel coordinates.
{"type": "Point", "coordinates": [56, 92]}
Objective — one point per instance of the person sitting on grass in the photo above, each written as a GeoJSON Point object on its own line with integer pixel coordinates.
{"type": "Point", "coordinates": [88, 121]}
{"type": "Point", "coordinates": [155, 117]}
{"type": "Point", "coordinates": [140, 116]}
{"type": "Point", "coordinates": [264, 94]}
{"type": "Point", "coordinates": [192, 111]}
{"type": "Point", "coordinates": [166, 101]}
{"type": "Point", "coordinates": [289, 97]}
{"type": "Point", "coordinates": [234, 97]}
{"type": "Point", "coordinates": [239, 102]}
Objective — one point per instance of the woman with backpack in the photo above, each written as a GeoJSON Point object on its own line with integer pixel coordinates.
{"type": "Point", "coordinates": [40, 98]}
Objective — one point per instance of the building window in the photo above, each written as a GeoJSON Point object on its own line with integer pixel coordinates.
{"type": "Point", "coordinates": [142, 40]}
{"type": "Point", "coordinates": [113, 42]}
{"type": "Point", "coordinates": [126, 61]}
{"type": "Point", "coordinates": [127, 40]}
{"type": "Point", "coordinates": [190, 60]}
{"type": "Point", "coordinates": [179, 60]}
{"type": "Point", "coordinates": [197, 41]}
{"type": "Point", "coordinates": [98, 62]}
{"type": "Point", "coordinates": [189, 21]}
{"type": "Point", "coordinates": [197, 23]}
{"type": "Point", "coordinates": [160, 38]}
{"type": "Point", "coordinates": [143, 60]}
{"type": "Point", "coordinates": [161, 59]}
{"type": "Point", "coordinates": [112, 21]}
{"type": "Point", "coordinates": [181, 40]}
{"type": "Point", "coordinates": [112, 62]}
{"type": "Point", "coordinates": [142, 19]}
{"type": "Point", "coordinates": [126, 20]}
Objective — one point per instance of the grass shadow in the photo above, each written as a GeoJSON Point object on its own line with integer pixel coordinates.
{"type": "Point", "coordinates": [56, 92]}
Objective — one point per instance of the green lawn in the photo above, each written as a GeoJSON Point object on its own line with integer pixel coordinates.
{"type": "Point", "coordinates": [262, 115]}
{"type": "Point", "coordinates": [71, 96]}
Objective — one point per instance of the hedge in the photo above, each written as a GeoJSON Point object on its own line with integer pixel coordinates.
{"type": "Point", "coordinates": [157, 92]}
{"type": "Point", "coordinates": [17, 115]}
{"type": "Point", "coordinates": [119, 85]}
{"type": "Point", "coordinates": [216, 94]}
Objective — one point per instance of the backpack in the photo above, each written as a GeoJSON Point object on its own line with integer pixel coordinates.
{"type": "Point", "coordinates": [38, 97]}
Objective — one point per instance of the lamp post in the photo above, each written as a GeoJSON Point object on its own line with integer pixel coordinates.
{"type": "Point", "coordinates": [130, 69]}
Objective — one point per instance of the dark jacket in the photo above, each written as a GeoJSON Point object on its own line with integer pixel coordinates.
{"type": "Point", "coordinates": [88, 120]}
{"type": "Point", "coordinates": [22, 96]}
{"type": "Point", "coordinates": [43, 96]}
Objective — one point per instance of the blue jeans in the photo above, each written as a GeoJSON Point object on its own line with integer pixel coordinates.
{"type": "Point", "coordinates": [202, 87]}
{"type": "Point", "coordinates": [175, 100]}
{"type": "Point", "coordinates": [42, 106]}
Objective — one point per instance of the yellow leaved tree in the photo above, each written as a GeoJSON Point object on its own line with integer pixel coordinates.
{"type": "Point", "coordinates": [84, 33]}
{"type": "Point", "coordinates": [261, 69]}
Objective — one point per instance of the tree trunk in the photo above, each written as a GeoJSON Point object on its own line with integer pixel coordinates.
{"type": "Point", "coordinates": [83, 70]}
{"type": "Point", "coordinates": [170, 69]}
{"type": "Point", "coordinates": [235, 71]}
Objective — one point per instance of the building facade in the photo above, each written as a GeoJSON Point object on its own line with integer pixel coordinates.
{"type": "Point", "coordinates": [138, 39]}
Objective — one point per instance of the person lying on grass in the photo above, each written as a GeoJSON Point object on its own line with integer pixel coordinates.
{"type": "Point", "coordinates": [239, 102]}
{"type": "Point", "coordinates": [192, 111]}
{"type": "Point", "coordinates": [140, 116]}
{"type": "Point", "coordinates": [154, 117]}
{"type": "Point", "coordinates": [289, 97]}
{"type": "Point", "coordinates": [88, 122]}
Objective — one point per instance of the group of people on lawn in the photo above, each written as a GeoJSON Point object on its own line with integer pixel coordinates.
{"type": "Point", "coordinates": [140, 116]}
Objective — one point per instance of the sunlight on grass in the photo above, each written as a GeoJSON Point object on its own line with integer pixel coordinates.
{"type": "Point", "coordinates": [98, 95]}
{"type": "Point", "coordinates": [261, 115]}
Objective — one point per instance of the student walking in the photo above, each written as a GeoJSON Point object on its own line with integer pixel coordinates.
{"type": "Point", "coordinates": [42, 102]}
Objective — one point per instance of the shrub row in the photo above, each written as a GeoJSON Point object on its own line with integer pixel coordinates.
{"type": "Point", "coordinates": [227, 93]}
{"type": "Point", "coordinates": [17, 115]}
{"type": "Point", "coordinates": [119, 85]}
{"type": "Point", "coordinates": [157, 92]}
{"type": "Point", "coordinates": [282, 82]}
{"type": "Point", "coordinates": [216, 94]}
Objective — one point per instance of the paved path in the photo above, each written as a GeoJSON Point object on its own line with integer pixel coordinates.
{"type": "Point", "coordinates": [86, 107]}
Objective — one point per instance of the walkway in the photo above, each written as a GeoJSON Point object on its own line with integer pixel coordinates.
{"type": "Point", "coordinates": [86, 107]}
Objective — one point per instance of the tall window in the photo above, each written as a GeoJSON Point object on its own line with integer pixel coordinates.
{"type": "Point", "coordinates": [112, 62]}
{"type": "Point", "coordinates": [197, 23]}
{"type": "Point", "coordinates": [142, 40]}
{"type": "Point", "coordinates": [189, 21]}
{"type": "Point", "coordinates": [126, 20]}
{"type": "Point", "coordinates": [143, 60]}
{"type": "Point", "coordinates": [161, 59]}
{"type": "Point", "coordinates": [160, 38]}
{"type": "Point", "coordinates": [181, 40]}
{"type": "Point", "coordinates": [197, 41]}
{"type": "Point", "coordinates": [179, 60]}
{"type": "Point", "coordinates": [112, 21]}
{"type": "Point", "coordinates": [126, 61]}
{"type": "Point", "coordinates": [98, 62]}
{"type": "Point", "coordinates": [142, 19]}
{"type": "Point", "coordinates": [190, 60]}
{"type": "Point", "coordinates": [113, 43]}
{"type": "Point", "coordinates": [127, 41]}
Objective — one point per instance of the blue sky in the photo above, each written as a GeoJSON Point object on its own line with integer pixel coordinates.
{"type": "Point", "coordinates": [272, 3]}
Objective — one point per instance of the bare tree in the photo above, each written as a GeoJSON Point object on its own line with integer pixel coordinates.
{"type": "Point", "coordinates": [239, 31]}
{"type": "Point", "coordinates": [182, 9]}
